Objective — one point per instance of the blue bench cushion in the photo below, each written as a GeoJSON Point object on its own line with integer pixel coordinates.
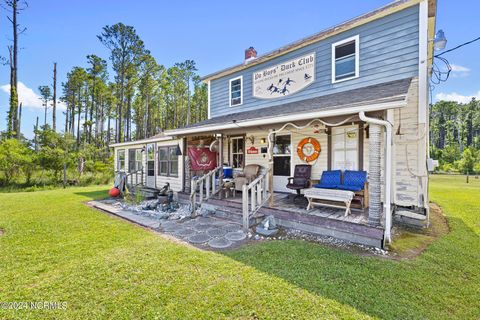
{"type": "Point", "coordinates": [330, 179]}
{"type": "Point", "coordinates": [349, 188]}
{"type": "Point", "coordinates": [353, 180]}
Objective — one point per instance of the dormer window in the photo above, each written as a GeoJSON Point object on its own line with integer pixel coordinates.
{"type": "Point", "coordinates": [345, 59]}
{"type": "Point", "coordinates": [236, 96]}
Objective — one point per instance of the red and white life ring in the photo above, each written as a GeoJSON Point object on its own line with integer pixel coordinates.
{"type": "Point", "coordinates": [309, 149]}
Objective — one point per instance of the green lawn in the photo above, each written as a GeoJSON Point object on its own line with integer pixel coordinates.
{"type": "Point", "coordinates": [54, 248]}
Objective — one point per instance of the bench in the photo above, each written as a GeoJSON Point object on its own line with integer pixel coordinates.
{"type": "Point", "coordinates": [330, 195]}
{"type": "Point", "coordinates": [353, 180]}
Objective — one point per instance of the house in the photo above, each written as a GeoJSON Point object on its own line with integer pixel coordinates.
{"type": "Point", "coordinates": [359, 90]}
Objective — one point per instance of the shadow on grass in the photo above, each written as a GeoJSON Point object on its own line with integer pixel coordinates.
{"type": "Point", "coordinates": [426, 287]}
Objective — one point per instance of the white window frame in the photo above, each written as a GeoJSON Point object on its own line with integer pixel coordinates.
{"type": "Point", "coordinates": [237, 153]}
{"type": "Point", "coordinates": [168, 161]}
{"type": "Point", "coordinates": [230, 91]}
{"type": "Point", "coordinates": [344, 130]}
{"type": "Point", "coordinates": [138, 159]}
{"type": "Point", "coordinates": [124, 161]}
{"type": "Point", "coordinates": [357, 58]}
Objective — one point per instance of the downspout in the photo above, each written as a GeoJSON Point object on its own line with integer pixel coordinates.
{"type": "Point", "coordinates": [388, 171]}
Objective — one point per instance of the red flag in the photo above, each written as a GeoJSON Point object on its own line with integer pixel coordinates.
{"type": "Point", "coordinates": [202, 158]}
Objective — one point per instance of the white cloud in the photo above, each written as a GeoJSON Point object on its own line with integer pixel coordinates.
{"type": "Point", "coordinates": [459, 71]}
{"type": "Point", "coordinates": [28, 97]}
{"type": "Point", "coordinates": [456, 97]}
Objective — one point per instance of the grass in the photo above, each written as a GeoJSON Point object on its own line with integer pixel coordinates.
{"type": "Point", "coordinates": [54, 248]}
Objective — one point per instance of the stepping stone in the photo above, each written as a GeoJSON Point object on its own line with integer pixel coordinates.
{"type": "Point", "coordinates": [216, 232]}
{"type": "Point", "coordinates": [219, 243]}
{"type": "Point", "coordinates": [236, 235]}
{"type": "Point", "coordinates": [202, 227]}
{"type": "Point", "coordinates": [204, 220]}
{"type": "Point", "coordinates": [185, 232]}
{"type": "Point", "coordinates": [199, 238]}
{"type": "Point", "coordinates": [232, 227]}
{"type": "Point", "coordinates": [170, 226]}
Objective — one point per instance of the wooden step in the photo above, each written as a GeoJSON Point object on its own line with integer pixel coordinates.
{"type": "Point", "coordinates": [230, 211]}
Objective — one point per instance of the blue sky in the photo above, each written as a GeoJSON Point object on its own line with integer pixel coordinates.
{"type": "Point", "coordinates": [213, 33]}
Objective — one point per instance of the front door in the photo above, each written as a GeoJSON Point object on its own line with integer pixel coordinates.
{"type": "Point", "coordinates": [151, 165]}
{"type": "Point", "coordinates": [282, 162]}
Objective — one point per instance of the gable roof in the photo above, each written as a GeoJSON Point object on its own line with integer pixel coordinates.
{"type": "Point", "coordinates": [355, 22]}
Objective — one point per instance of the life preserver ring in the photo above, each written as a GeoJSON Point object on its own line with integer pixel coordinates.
{"type": "Point", "coordinates": [314, 149]}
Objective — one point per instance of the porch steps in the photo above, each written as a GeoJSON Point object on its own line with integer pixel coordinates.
{"type": "Point", "coordinates": [230, 210]}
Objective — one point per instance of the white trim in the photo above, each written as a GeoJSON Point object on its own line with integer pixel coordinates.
{"type": "Point", "coordinates": [208, 97]}
{"type": "Point", "coordinates": [357, 57]}
{"type": "Point", "coordinates": [423, 62]}
{"type": "Point", "coordinates": [230, 91]}
{"type": "Point", "coordinates": [141, 142]}
{"type": "Point", "coordinates": [331, 112]}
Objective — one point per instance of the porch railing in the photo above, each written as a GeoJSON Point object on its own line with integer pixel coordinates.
{"type": "Point", "coordinates": [134, 178]}
{"type": "Point", "coordinates": [203, 188]}
{"type": "Point", "coordinates": [254, 196]}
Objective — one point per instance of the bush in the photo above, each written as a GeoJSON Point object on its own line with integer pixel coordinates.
{"type": "Point", "coordinates": [15, 158]}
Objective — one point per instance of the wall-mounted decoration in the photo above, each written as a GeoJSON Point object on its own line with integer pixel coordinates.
{"type": "Point", "coordinates": [285, 78]}
{"type": "Point", "coordinates": [252, 150]}
{"type": "Point", "coordinates": [202, 158]}
{"type": "Point", "coordinates": [308, 149]}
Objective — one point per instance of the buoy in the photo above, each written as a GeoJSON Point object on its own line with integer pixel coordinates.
{"type": "Point", "coordinates": [114, 192]}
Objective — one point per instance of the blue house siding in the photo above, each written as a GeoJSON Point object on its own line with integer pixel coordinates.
{"type": "Point", "coordinates": [388, 51]}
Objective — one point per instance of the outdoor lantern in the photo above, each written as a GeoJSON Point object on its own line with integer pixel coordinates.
{"type": "Point", "coordinates": [439, 42]}
{"type": "Point", "coordinates": [178, 152]}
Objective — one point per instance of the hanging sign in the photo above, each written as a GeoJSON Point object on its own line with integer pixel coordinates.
{"type": "Point", "coordinates": [252, 150]}
{"type": "Point", "coordinates": [285, 78]}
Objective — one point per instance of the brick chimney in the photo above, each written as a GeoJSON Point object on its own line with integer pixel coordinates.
{"type": "Point", "coordinates": [250, 54]}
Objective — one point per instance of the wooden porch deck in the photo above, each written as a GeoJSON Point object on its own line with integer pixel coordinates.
{"type": "Point", "coordinates": [284, 202]}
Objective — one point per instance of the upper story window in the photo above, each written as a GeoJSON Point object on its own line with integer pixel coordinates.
{"type": "Point", "coordinates": [236, 96]}
{"type": "Point", "coordinates": [345, 59]}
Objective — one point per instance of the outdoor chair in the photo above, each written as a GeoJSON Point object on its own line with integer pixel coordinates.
{"type": "Point", "coordinates": [249, 173]}
{"type": "Point", "coordinates": [300, 179]}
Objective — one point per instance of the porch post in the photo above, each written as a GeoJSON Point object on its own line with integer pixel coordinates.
{"type": "Point", "coordinates": [270, 167]}
{"type": "Point", "coordinates": [220, 163]}
{"type": "Point", "coordinates": [374, 172]}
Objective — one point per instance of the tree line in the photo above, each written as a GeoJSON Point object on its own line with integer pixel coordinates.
{"type": "Point", "coordinates": [123, 97]}
{"type": "Point", "coordinates": [455, 135]}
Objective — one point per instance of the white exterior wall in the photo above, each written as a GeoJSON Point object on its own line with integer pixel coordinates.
{"type": "Point", "coordinates": [176, 183]}
{"type": "Point", "coordinates": [408, 154]}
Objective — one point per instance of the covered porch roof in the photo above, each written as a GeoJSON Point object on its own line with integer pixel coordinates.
{"type": "Point", "coordinates": [372, 98]}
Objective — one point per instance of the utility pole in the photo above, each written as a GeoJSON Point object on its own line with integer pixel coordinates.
{"type": "Point", "coordinates": [54, 113]}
